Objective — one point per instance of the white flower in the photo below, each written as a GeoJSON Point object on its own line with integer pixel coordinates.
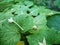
{"type": "Point", "coordinates": [40, 43]}
{"type": "Point", "coordinates": [35, 27]}
{"type": "Point", "coordinates": [10, 20]}
{"type": "Point", "coordinates": [43, 43]}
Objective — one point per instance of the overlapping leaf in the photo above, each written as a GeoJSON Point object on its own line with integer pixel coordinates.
{"type": "Point", "coordinates": [53, 22]}
{"type": "Point", "coordinates": [25, 21]}
{"type": "Point", "coordinates": [46, 11]}
{"type": "Point", "coordinates": [57, 38]}
{"type": "Point", "coordinates": [40, 32]}
{"type": "Point", "coordinates": [34, 11]}
{"type": "Point", "coordinates": [9, 33]}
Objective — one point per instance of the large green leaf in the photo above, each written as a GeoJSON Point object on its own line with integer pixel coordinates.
{"type": "Point", "coordinates": [25, 21]}
{"type": "Point", "coordinates": [48, 12]}
{"type": "Point", "coordinates": [40, 32]}
{"type": "Point", "coordinates": [51, 36]}
{"type": "Point", "coordinates": [5, 5]}
{"type": "Point", "coordinates": [9, 33]}
{"type": "Point", "coordinates": [39, 23]}
{"type": "Point", "coordinates": [40, 20]}
{"type": "Point", "coordinates": [20, 9]}
{"type": "Point", "coordinates": [38, 37]}
{"type": "Point", "coordinates": [57, 38]}
{"type": "Point", "coordinates": [54, 22]}
{"type": "Point", "coordinates": [26, 9]}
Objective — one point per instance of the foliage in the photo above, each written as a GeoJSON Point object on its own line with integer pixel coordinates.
{"type": "Point", "coordinates": [28, 22]}
{"type": "Point", "coordinates": [57, 2]}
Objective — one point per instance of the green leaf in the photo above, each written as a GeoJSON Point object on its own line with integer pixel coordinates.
{"type": "Point", "coordinates": [34, 11]}
{"type": "Point", "coordinates": [4, 16]}
{"type": "Point", "coordinates": [28, 3]}
{"type": "Point", "coordinates": [9, 33]}
{"type": "Point", "coordinates": [25, 21]}
{"type": "Point", "coordinates": [57, 38]}
{"type": "Point", "coordinates": [5, 5]}
{"type": "Point", "coordinates": [56, 3]}
{"type": "Point", "coordinates": [22, 10]}
{"type": "Point", "coordinates": [1, 16]}
{"type": "Point", "coordinates": [39, 2]}
{"type": "Point", "coordinates": [19, 9]}
{"type": "Point", "coordinates": [40, 20]}
{"type": "Point", "coordinates": [51, 36]}
{"type": "Point", "coordinates": [39, 23]}
{"type": "Point", "coordinates": [35, 38]}
{"type": "Point", "coordinates": [40, 32]}
{"type": "Point", "coordinates": [54, 22]}
{"type": "Point", "coordinates": [47, 12]}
